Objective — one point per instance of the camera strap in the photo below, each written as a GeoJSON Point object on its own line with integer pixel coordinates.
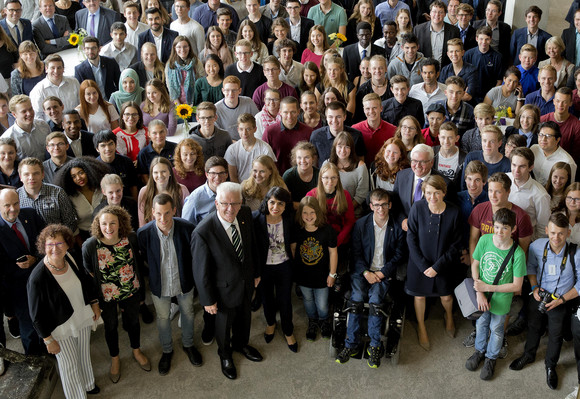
{"type": "Point", "coordinates": [562, 266]}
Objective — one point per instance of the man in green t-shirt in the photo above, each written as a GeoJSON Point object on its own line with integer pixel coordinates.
{"type": "Point", "coordinates": [489, 255]}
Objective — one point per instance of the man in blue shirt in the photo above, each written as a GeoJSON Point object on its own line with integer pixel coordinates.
{"type": "Point", "coordinates": [206, 14]}
{"type": "Point", "coordinates": [487, 61]}
{"type": "Point", "coordinates": [388, 10]}
{"type": "Point", "coordinates": [528, 56]}
{"type": "Point", "coordinates": [552, 271]}
{"type": "Point", "coordinates": [544, 98]}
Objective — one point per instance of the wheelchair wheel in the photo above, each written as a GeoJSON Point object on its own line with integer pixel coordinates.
{"type": "Point", "coordinates": [395, 357]}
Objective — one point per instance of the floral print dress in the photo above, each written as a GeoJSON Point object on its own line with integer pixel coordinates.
{"type": "Point", "coordinates": [117, 268]}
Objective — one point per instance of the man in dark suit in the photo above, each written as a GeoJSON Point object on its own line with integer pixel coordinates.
{"type": "Point", "coordinates": [81, 141]}
{"type": "Point", "coordinates": [19, 29]}
{"type": "Point", "coordinates": [50, 30]}
{"type": "Point", "coordinates": [354, 53]}
{"type": "Point", "coordinates": [466, 31]}
{"type": "Point", "coordinates": [301, 32]}
{"type": "Point", "coordinates": [165, 242]}
{"type": "Point", "coordinates": [97, 20]}
{"type": "Point", "coordinates": [522, 35]}
{"type": "Point", "coordinates": [501, 32]}
{"type": "Point", "coordinates": [225, 273]}
{"type": "Point", "coordinates": [156, 31]}
{"type": "Point", "coordinates": [426, 30]}
{"type": "Point", "coordinates": [103, 70]}
{"type": "Point", "coordinates": [569, 38]}
{"type": "Point", "coordinates": [19, 229]}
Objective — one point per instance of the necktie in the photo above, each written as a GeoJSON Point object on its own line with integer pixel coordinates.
{"type": "Point", "coordinates": [53, 28]}
{"type": "Point", "coordinates": [18, 37]}
{"type": "Point", "coordinates": [19, 235]}
{"type": "Point", "coordinates": [92, 26]}
{"type": "Point", "coordinates": [237, 243]}
{"type": "Point", "coordinates": [463, 34]}
{"type": "Point", "coordinates": [418, 192]}
{"type": "Point", "coordinates": [364, 54]}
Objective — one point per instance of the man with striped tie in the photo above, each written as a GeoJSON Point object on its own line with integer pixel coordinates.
{"type": "Point", "coordinates": [225, 273]}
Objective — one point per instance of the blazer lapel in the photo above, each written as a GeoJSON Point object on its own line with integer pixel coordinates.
{"type": "Point", "coordinates": [7, 232]}
{"type": "Point", "coordinates": [371, 234]}
{"type": "Point", "coordinates": [223, 237]}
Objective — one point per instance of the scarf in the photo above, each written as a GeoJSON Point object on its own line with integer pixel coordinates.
{"type": "Point", "coordinates": [174, 81]}
{"type": "Point", "coordinates": [121, 96]}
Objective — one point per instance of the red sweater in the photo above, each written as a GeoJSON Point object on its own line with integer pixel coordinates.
{"type": "Point", "coordinates": [342, 224]}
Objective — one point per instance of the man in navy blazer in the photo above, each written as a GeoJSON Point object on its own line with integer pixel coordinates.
{"type": "Point", "coordinates": [520, 36]}
{"type": "Point", "coordinates": [104, 19]}
{"type": "Point", "coordinates": [226, 271]}
{"type": "Point", "coordinates": [108, 81]}
{"type": "Point", "coordinates": [15, 271]}
{"type": "Point", "coordinates": [352, 54]}
{"type": "Point", "coordinates": [569, 38]}
{"type": "Point", "coordinates": [372, 272]}
{"type": "Point", "coordinates": [72, 125]}
{"type": "Point", "coordinates": [293, 9]}
{"type": "Point", "coordinates": [156, 29]}
{"type": "Point", "coordinates": [165, 242]}
{"type": "Point", "coordinates": [493, 11]}
{"type": "Point", "coordinates": [14, 21]}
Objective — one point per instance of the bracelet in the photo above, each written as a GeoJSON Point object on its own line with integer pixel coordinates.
{"type": "Point", "coordinates": [534, 287]}
{"type": "Point", "coordinates": [521, 99]}
{"type": "Point", "coordinates": [48, 341]}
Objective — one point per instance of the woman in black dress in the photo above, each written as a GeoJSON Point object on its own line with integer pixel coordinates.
{"type": "Point", "coordinates": [434, 239]}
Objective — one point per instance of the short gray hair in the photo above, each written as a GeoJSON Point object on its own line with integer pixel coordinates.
{"type": "Point", "coordinates": [228, 187]}
{"type": "Point", "coordinates": [423, 148]}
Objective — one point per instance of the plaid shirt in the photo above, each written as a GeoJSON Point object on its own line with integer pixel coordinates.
{"type": "Point", "coordinates": [52, 204]}
{"type": "Point", "coordinates": [463, 118]}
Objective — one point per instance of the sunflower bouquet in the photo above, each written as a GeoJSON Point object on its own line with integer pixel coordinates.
{"type": "Point", "coordinates": [337, 39]}
{"type": "Point", "coordinates": [501, 114]}
{"type": "Point", "coordinates": [184, 112]}
{"type": "Point", "coordinates": [77, 38]}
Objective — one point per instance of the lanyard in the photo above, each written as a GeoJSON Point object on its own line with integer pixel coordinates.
{"type": "Point", "coordinates": [562, 266]}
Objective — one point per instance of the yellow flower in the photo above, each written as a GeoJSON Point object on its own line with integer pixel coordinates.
{"type": "Point", "coordinates": [341, 37]}
{"type": "Point", "coordinates": [73, 39]}
{"type": "Point", "coordinates": [510, 112]}
{"type": "Point", "coordinates": [183, 111]}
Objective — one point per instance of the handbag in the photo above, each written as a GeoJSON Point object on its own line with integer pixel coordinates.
{"type": "Point", "coordinates": [467, 296]}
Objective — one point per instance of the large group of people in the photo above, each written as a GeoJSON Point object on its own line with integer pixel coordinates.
{"type": "Point", "coordinates": [329, 139]}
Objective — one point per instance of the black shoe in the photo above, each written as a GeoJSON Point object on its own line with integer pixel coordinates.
{"type": "Point", "coordinates": [250, 353]}
{"type": "Point", "coordinates": [552, 377]}
{"type": "Point", "coordinates": [269, 337]}
{"type": "Point", "coordinates": [165, 363]}
{"type": "Point", "coordinates": [14, 328]}
{"type": "Point", "coordinates": [375, 354]}
{"type": "Point", "coordinates": [193, 355]}
{"type": "Point", "coordinates": [256, 303]}
{"type": "Point", "coordinates": [345, 354]}
{"type": "Point", "coordinates": [207, 335]}
{"type": "Point", "coordinates": [312, 330]}
{"type": "Point", "coordinates": [474, 361]}
{"type": "Point", "coordinates": [326, 328]}
{"type": "Point", "coordinates": [293, 347]}
{"type": "Point", "coordinates": [520, 362]}
{"type": "Point", "coordinates": [488, 369]}
{"type": "Point", "coordinates": [229, 369]}
{"type": "Point", "coordinates": [96, 390]}
{"type": "Point", "coordinates": [146, 314]}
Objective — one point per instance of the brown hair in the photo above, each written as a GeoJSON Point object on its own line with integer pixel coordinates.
{"type": "Point", "coordinates": [84, 111]}
{"type": "Point", "coordinates": [339, 204]}
{"type": "Point", "coordinates": [52, 231]}
{"type": "Point", "coordinates": [346, 139]}
{"type": "Point", "coordinates": [558, 165]}
{"type": "Point", "coordinates": [173, 188]}
{"type": "Point", "coordinates": [124, 221]}
{"type": "Point", "coordinates": [301, 146]}
{"type": "Point", "coordinates": [165, 101]}
{"type": "Point", "coordinates": [311, 202]}
{"type": "Point", "coordinates": [382, 167]}
{"type": "Point", "coordinates": [250, 188]}
{"type": "Point", "coordinates": [319, 28]}
{"type": "Point", "coordinates": [28, 46]}
{"type": "Point", "coordinates": [435, 181]}
{"type": "Point", "coordinates": [178, 162]}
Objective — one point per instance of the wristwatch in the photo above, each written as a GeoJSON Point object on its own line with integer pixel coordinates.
{"type": "Point", "coordinates": [333, 275]}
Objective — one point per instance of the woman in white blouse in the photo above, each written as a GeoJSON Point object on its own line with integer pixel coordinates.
{"type": "Point", "coordinates": [97, 113]}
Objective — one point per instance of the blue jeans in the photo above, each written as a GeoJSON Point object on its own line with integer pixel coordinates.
{"type": "Point", "coordinates": [315, 302]}
{"type": "Point", "coordinates": [491, 324]}
{"type": "Point", "coordinates": [162, 308]}
{"type": "Point", "coordinates": [361, 289]}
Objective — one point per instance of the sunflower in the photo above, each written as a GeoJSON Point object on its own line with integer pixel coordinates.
{"type": "Point", "coordinates": [341, 37]}
{"type": "Point", "coordinates": [183, 111]}
{"type": "Point", "coordinates": [73, 39]}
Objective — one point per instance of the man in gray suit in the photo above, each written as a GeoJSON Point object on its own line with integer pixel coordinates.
{"type": "Point", "coordinates": [97, 20]}
{"type": "Point", "coordinates": [50, 30]}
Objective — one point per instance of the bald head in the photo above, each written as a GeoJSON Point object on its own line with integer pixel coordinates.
{"type": "Point", "coordinates": [9, 205]}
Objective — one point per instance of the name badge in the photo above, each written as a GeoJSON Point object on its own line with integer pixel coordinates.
{"type": "Point", "coordinates": [552, 270]}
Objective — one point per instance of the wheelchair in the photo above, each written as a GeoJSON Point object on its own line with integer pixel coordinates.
{"type": "Point", "coordinates": [392, 310]}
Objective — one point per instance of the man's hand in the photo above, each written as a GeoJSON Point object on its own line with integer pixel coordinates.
{"type": "Point", "coordinates": [430, 272]}
{"type": "Point", "coordinates": [257, 281]}
{"type": "Point", "coordinates": [536, 293]}
{"type": "Point", "coordinates": [465, 258]}
{"type": "Point", "coordinates": [482, 303]}
{"type": "Point", "coordinates": [372, 277]}
{"type": "Point", "coordinates": [30, 260]}
{"type": "Point", "coordinates": [554, 304]}
{"type": "Point", "coordinates": [212, 309]}
{"type": "Point", "coordinates": [404, 225]}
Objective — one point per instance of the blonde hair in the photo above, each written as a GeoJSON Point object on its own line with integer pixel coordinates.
{"type": "Point", "coordinates": [339, 204]}
{"type": "Point", "coordinates": [251, 189]}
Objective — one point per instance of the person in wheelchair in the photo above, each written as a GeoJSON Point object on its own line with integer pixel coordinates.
{"type": "Point", "coordinates": [379, 246]}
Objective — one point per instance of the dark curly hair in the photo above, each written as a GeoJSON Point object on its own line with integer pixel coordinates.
{"type": "Point", "coordinates": [124, 221]}
{"type": "Point", "coordinates": [51, 231]}
{"type": "Point", "coordinates": [94, 170]}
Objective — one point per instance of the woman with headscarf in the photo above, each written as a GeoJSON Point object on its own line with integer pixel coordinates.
{"type": "Point", "coordinates": [129, 89]}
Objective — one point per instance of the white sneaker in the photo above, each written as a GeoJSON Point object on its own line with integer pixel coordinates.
{"type": "Point", "coordinates": [573, 394]}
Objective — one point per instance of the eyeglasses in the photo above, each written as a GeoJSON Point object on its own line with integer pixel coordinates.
{"type": "Point", "coordinates": [572, 199]}
{"type": "Point", "coordinates": [54, 145]}
{"type": "Point", "coordinates": [417, 162]}
{"type": "Point", "coordinates": [14, 10]}
{"type": "Point", "coordinates": [382, 205]}
{"type": "Point", "coordinates": [214, 174]}
{"type": "Point", "coordinates": [55, 245]}
{"type": "Point", "coordinates": [545, 136]}
{"type": "Point", "coordinates": [131, 115]}
{"type": "Point", "coordinates": [228, 204]}
{"type": "Point", "coordinates": [272, 100]}
{"type": "Point", "coordinates": [409, 128]}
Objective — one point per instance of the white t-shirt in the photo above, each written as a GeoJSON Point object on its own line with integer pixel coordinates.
{"type": "Point", "coordinates": [448, 166]}
{"type": "Point", "coordinates": [237, 156]}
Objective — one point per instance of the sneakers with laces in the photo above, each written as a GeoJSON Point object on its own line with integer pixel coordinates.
{"type": "Point", "coordinates": [312, 330]}
{"type": "Point", "coordinates": [469, 341]}
{"type": "Point", "coordinates": [503, 352]}
{"type": "Point", "coordinates": [375, 354]}
{"type": "Point", "coordinates": [326, 328]}
{"type": "Point", "coordinates": [474, 361]}
{"type": "Point", "coordinates": [345, 354]}
{"type": "Point", "coordinates": [488, 369]}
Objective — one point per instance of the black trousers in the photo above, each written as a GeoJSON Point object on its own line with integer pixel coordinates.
{"type": "Point", "coordinates": [276, 287]}
{"type": "Point", "coordinates": [232, 326]}
{"type": "Point", "coordinates": [130, 317]}
{"type": "Point", "coordinates": [576, 339]}
{"type": "Point", "coordinates": [536, 326]}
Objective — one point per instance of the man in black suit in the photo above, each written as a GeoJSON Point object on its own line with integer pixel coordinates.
{"type": "Point", "coordinates": [354, 53]}
{"type": "Point", "coordinates": [299, 26]}
{"type": "Point", "coordinates": [50, 30]}
{"type": "Point", "coordinates": [162, 38]}
{"type": "Point", "coordinates": [569, 38]}
{"type": "Point", "coordinates": [466, 31]}
{"type": "Point", "coordinates": [501, 32]}
{"type": "Point", "coordinates": [103, 70]}
{"type": "Point", "coordinates": [81, 141]}
{"type": "Point", "coordinates": [97, 20]}
{"type": "Point", "coordinates": [437, 32]}
{"type": "Point", "coordinates": [225, 273]}
{"type": "Point", "coordinates": [19, 229]}
{"type": "Point", "coordinates": [17, 28]}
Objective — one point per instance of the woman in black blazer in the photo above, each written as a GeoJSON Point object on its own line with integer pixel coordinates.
{"type": "Point", "coordinates": [64, 306]}
{"type": "Point", "coordinates": [273, 223]}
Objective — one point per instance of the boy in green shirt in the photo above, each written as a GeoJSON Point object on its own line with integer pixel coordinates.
{"type": "Point", "coordinates": [489, 255]}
